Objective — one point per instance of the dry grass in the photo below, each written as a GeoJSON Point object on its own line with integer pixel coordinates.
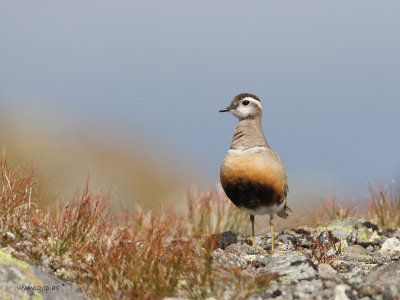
{"type": "Point", "coordinates": [19, 198]}
{"type": "Point", "coordinates": [132, 255]}
{"type": "Point", "coordinates": [320, 250]}
{"type": "Point", "coordinates": [211, 212]}
{"type": "Point", "coordinates": [333, 209]}
{"type": "Point", "coordinates": [384, 205]}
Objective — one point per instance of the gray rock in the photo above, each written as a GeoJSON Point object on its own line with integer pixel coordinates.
{"type": "Point", "coordinates": [340, 292]}
{"type": "Point", "coordinates": [23, 281]}
{"type": "Point", "coordinates": [309, 286]}
{"type": "Point", "coordinates": [256, 297]}
{"type": "Point", "coordinates": [230, 258]}
{"type": "Point", "coordinates": [370, 248]}
{"type": "Point", "coordinates": [390, 247]}
{"type": "Point", "coordinates": [384, 280]}
{"type": "Point", "coordinates": [243, 248]}
{"type": "Point", "coordinates": [303, 241]}
{"type": "Point", "coordinates": [356, 251]}
{"type": "Point", "coordinates": [348, 224]}
{"type": "Point", "coordinates": [285, 238]}
{"type": "Point", "coordinates": [340, 234]}
{"type": "Point", "coordinates": [326, 272]}
{"type": "Point", "coordinates": [294, 266]}
{"type": "Point", "coordinates": [364, 264]}
{"type": "Point", "coordinates": [64, 291]}
{"type": "Point", "coordinates": [356, 231]}
{"type": "Point", "coordinates": [366, 237]}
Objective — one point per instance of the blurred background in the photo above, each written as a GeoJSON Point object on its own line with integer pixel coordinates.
{"type": "Point", "coordinates": [129, 92]}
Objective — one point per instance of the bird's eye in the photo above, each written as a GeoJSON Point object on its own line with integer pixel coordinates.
{"type": "Point", "coordinates": [246, 102]}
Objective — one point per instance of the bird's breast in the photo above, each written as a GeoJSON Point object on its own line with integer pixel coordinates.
{"type": "Point", "coordinates": [257, 174]}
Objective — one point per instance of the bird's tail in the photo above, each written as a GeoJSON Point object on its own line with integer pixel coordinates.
{"type": "Point", "coordinates": [283, 212]}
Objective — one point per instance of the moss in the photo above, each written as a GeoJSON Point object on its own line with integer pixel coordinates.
{"type": "Point", "coordinates": [334, 226]}
{"type": "Point", "coordinates": [344, 227]}
{"type": "Point", "coordinates": [370, 265]}
{"type": "Point", "coordinates": [347, 224]}
{"type": "Point", "coordinates": [375, 238]}
{"type": "Point", "coordinates": [290, 231]}
{"type": "Point", "coordinates": [8, 261]}
{"type": "Point", "coordinates": [363, 235]}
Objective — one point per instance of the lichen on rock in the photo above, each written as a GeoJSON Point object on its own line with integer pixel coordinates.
{"type": "Point", "coordinates": [347, 259]}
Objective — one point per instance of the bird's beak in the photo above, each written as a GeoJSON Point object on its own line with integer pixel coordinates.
{"type": "Point", "coordinates": [225, 109]}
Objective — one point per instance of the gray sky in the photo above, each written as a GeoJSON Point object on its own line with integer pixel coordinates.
{"type": "Point", "coordinates": [327, 73]}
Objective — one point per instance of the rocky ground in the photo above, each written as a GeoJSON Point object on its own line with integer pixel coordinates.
{"type": "Point", "coordinates": [349, 259]}
{"type": "Point", "coordinates": [19, 280]}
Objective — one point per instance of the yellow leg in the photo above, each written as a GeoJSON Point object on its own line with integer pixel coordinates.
{"type": "Point", "coordinates": [252, 230]}
{"type": "Point", "coordinates": [271, 225]}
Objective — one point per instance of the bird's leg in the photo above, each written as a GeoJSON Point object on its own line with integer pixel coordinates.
{"type": "Point", "coordinates": [252, 230]}
{"type": "Point", "coordinates": [271, 225]}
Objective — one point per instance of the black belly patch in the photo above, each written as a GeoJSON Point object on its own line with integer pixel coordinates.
{"type": "Point", "coordinates": [251, 195]}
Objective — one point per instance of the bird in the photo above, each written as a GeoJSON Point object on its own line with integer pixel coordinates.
{"type": "Point", "coordinates": [252, 175]}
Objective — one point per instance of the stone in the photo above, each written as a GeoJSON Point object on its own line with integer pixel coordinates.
{"type": "Point", "coordinates": [326, 272]}
{"type": "Point", "coordinates": [348, 224]}
{"type": "Point", "coordinates": [285, 238]}
{"type": "Point", "coordinates": [309, 286]}
{"type": "Point", "coordinates": [326, 238]}
{"type": "Point", "coordinates": [355, 251]}
{"type": "Point", "coordinates": [360, 265]}
{"type": "Point", "coordinates": [230, 257]}
{"type": "Point", "coordinates": [223, 240]}
{"type": "Point", "coordinates": [305, 229]}
{"type": "Point", "coordinates": [293, 266]}
{"type": "Point", "coordinates": [366, 237]}
{"type": "Point", "coordinates": [370, 248]}
{"type": "Point", "coordinates": [303, 241]}
{"type": "Point", "coordinates": [255, 297]}
{"type": "Point", "coordinates": [340, 234]}
{"type": "Point", "coordinates": [33, 282]}
{"type": "Point", "coordinates": [383, 280]}
{"type": "Point", "coordinates": [340, 292]}
{"type": "Point", "coordinates": [371, 225]}
{"type": "Point", "coordinates": [390, 247]}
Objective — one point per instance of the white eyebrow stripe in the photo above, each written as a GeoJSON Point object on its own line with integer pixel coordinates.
{"type": "Point", "coordinates": [251, 99]}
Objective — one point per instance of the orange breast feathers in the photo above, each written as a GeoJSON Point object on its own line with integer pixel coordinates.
{"type": "Point", "coordinates": [263, 168]}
